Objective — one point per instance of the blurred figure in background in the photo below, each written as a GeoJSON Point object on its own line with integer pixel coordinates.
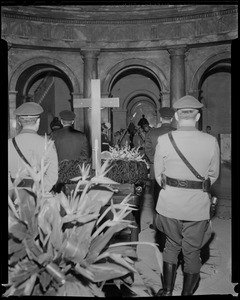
{"type": "Point", "coordinates": [55, 124]}
{"type": "Point", "coordinates": [143, 121]}
{"type": "Point", "coordinates": [105, 141]}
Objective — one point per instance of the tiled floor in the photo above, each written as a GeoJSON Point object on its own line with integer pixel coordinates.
{"type": "Point", "coordinates": [215, 272]}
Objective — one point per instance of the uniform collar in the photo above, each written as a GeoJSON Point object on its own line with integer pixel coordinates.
{"type": "Point", "coordinates": [26, 130]}
{"type": "Point", "coordinates": [187, 128]}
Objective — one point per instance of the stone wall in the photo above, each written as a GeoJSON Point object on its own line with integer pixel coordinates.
{"type": "Point", "coordinates": [121, 37]}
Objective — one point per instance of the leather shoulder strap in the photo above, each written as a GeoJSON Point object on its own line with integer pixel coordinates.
{"type": "Point", "coordinates": [19, 151]}
{"type": "Point", "coordinates": [184, 158]}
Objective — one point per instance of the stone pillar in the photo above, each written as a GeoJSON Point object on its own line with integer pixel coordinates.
{"type": "Point", "coordinates": [177, 74]}
{"type": "Point", "coordinates": [165, 99]}
{"type": "Point", "coordinates": [13, 130]}
{"type": "Point", "coordinates": [90, 58]}
{"type": "Point", "coordinates": [79, 120]}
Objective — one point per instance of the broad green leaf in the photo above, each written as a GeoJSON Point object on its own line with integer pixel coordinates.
{"type": "Point", "coordinates": [44, 257]}
{"type": "Point", "coordinates": [96, 291]}
{"type": "Point", "coordinates": [118, 259]}
{"type": "Point", "coordinates": [82, 219]}
{"type": "Point", "coordinates": [128, 251]}
{"type": "Point", "coordinates": [20, 231]}
{"type": "Point", "coordinates": [100, 242]}
{"type": "Point", "coordinates": [64, 201]}
{"type": "Point", "coordinates": [18, 255]}
{"type": "Point", "coordinates": [103, 180]}
{"type": "Point", "coordinates": [13, 246]}
{"type": "Point", "coordinates": [101, 195]}
{"type": "Point", "coordinates": [107, 271]}
{"type": "Point", "coordinates": [74, 288]}
{"type": "Point", "coordinates": [45, 279]}
{"type": "Point", "coordinates": [30, 285]}
{"type": "Point", "coordinates": [74, 250]}
{"type": "Point", "coordinates": [84, 272]}
{"type": "Point", "coordinates": [20, 277]}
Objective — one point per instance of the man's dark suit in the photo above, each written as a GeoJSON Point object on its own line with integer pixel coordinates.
{"type": "Point", "coordinates": [70, 143]}
{"type": "Point", "coordinates": [150, 146]}
{"type": "Point", "coordinates": [151, 142]}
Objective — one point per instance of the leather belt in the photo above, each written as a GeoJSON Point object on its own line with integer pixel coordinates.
{"type": "Point", "coordinates": [186, 184]}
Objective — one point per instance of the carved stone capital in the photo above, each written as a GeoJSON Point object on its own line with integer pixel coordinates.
{"type": "Point", "coordinates": [178, 51]}
{"type": "Point", "coordinates": [89, 53]}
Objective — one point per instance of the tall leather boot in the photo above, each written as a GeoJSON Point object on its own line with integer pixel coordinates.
{"type": "Point", "coordinates": [189, 283]}
{"type": "Point", "coordinates": [169, 276]}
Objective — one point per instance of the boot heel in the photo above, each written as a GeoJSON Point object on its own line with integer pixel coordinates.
{"type": "Point", "coordinates": [189, 283]}
{"type": "Point", "coordinates": [169, 276]}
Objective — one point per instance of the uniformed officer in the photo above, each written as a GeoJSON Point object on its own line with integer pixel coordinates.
{"type": "Point", "coordinates": [166, 117]}
{"type": "Point", "coordinates": [183, 207]}
{"type": "Point", "coordinates": [70, 143]}
{"type": "Point", "coordinates": [31, 146]}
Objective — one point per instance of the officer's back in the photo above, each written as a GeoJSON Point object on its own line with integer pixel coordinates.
{"type": "Point", "coordinates": [70, 143]}
{"type": "Point", "coordinates": [30, 146]}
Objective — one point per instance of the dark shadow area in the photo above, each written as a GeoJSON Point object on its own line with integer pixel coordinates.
{"type": "Point", "coordinates": [205, 251]}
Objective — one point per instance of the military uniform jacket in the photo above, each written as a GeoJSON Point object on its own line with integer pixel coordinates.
{"type": "Point", "coordinates": [202, 151]}
{"type": "Point", "coordinates": [70, 143]}
{"type": "Point", "coordinates": [151, 143]}
{"type": "Point", "coordinates": [32, 146]}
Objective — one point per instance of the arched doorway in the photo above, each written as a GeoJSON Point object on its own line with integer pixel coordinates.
{"type": "Point", "coordinates": [215, 87]}
{"type": "Point", "coordinates": [139, 91]}
{"type": "Point", "coordinates": [28, 75]}
{"type": "Point", "coordinates": [48, 86]}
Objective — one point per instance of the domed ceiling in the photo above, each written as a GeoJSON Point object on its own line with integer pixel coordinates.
{"type": "Point", "coordinates": [118, 26]}
{"type": "Point", "coordinates": [114, 13]}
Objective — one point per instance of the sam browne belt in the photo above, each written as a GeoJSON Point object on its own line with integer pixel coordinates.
{"type": "Point", "coordinates": [187, 184]}
{"type": "Point", "coordinates": [204, 184]}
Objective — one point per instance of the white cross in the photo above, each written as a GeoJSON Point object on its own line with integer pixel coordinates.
{"type": "Point", "coordinates": [96, 102]}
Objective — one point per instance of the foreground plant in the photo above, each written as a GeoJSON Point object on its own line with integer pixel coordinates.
{"type": "Point", "coordinates": [61, 245]}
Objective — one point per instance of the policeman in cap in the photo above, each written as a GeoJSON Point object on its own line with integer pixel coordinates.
{"type": "Point", "coordinates": [28, 147]}
{"type": "Point", "coordinates": [166, 117]}
{"type": "Point", "coordinates": [183, 206]}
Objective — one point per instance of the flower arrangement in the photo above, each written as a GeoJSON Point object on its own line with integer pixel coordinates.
{"type": "Point", "coordinates": [127, 165]}
{"type": "Point", "coordinates": [61, 246]}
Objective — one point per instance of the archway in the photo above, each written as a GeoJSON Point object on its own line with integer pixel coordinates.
{"type": "Point", "coordinates": [48, 86]}
{"type": "Point", "coordinates": [137, 83]}
{"type": "Point", "coordinates": [53, 86]}
{"type": "Point", "coordinates": [214, 87]}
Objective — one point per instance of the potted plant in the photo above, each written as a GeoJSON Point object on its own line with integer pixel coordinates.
{"type": "Point", "coordinates": [60, 245]}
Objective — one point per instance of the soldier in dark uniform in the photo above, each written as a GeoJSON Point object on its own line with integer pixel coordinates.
{"type": "Point", "coordinates": [166, 117]}
{"type": "Point", "coordinates": [143, 121]}
{"type": "Point", "coordinates": [183, 207]}
{"type": "Point", "coordinates": [70, 143]}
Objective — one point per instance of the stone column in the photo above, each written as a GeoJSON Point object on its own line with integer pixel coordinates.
{"type": "Point", "coordinates": [12, 119]}
{"type": "Point", "coordinates": [165, 99]}
{"type": "Point", "coordinates": [177, 74]}
{"type": "Point", "coordinates": [90, 59]}
{"type": "Point", "coordinates": [79, 119]}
